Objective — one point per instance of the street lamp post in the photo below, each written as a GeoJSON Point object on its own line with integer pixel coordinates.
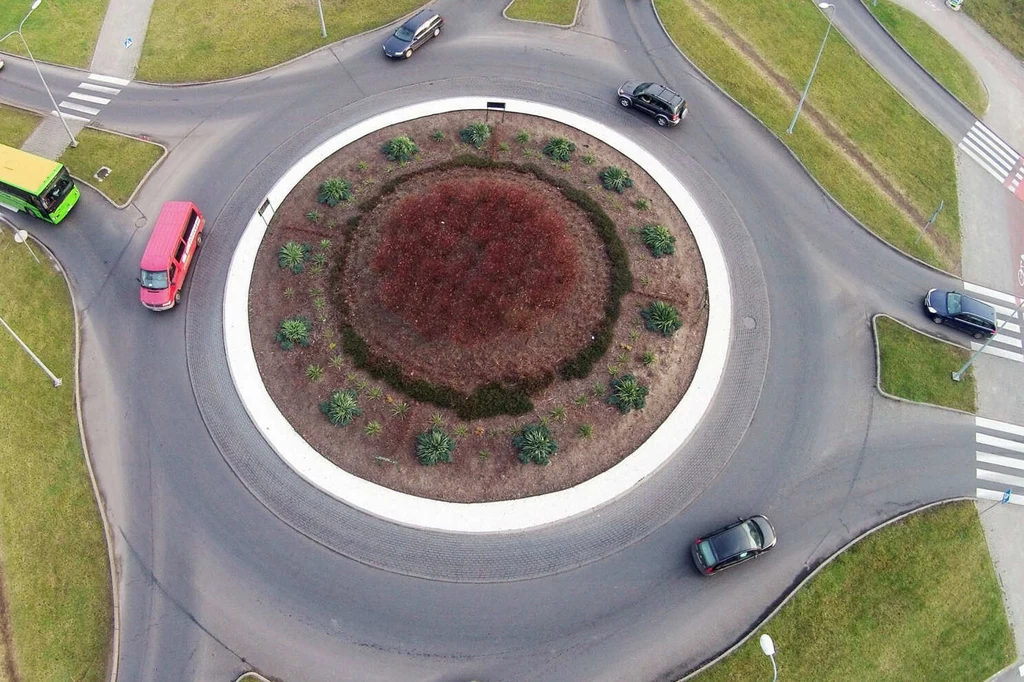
{"type": "Point", "coordinates": [74, 142]}
{"type": "Point", "coordinates": [768, 647]}
{"type": "Point", "coordinates": [957, 375]}
{"type": "Point", "coordinates": [831, 16]}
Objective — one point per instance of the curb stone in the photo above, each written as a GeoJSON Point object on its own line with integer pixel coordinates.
{"type": "Point", "coordinates": [878, 366]}
{"type": "Point", "coordinates": [793, 154]}
{"type": "Point", "coordinates": [575, 17]}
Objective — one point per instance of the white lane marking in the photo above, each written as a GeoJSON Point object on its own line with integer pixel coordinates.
{"type": "Point", "coordinates": [978, 155]}
{"type": "Point", "coordinates": [108, 79]}
{"type": "Point", "coordinates": [1001, 443]}
{"type": "Point", "coordinates": [999, 460]}
{"type": "Point", "coordinates": [991, 293]}
{"type": "Point", "coordinates": [997, 495]}
{"type": "Point", "coordinates": [89, 98]}
{"type": "Point", "coordinates": [67, 115]}
{"type": "Point", "coordinates": [99, 88]}
{"type": "Point", "coordinates": [1007, 340]}
{"type": "Point", "coordinates": [995, 425]}
{"type": "Point", "coordinates": [78, 107]}
{"type": "Point", "coordinates": [1008, 326]}
{"type": "Point", "coordinates": [982, 132]}
{"type": "Point", "coordinates": [996, 477]}
{"type": "Point", "coordinates": [999, 352]}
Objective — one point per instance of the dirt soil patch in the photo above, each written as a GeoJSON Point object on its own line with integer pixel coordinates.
{"type": "Point", "coordinates": [379, 445]}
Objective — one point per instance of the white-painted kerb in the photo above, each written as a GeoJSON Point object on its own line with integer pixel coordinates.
{"type": "Point", "coordinates": [489, 516]}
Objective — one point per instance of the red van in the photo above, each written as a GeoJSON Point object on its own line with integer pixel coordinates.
{"type": "Point", "coordinates": [171, 249]}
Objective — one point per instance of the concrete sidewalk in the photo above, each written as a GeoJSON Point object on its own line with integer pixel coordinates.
{"type": "Point", "coordinates": [119, 45]}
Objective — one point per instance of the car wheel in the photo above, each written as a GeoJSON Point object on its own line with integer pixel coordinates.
{"type": "Point", "coordinates": [437, 32]}
{"type": "Point", "coordinates": [979, 335]}
{"type": "Point", "coordinates": [662, 121]}
{"type": "Point", "coordinates": [624, 101]}
{"type": "Point", "coordinates": [408, 53]}
{"type": "Point", "coordinates": [199, 240]}
{"type": "Point", "coordinates": [177, 297]}
{"type": "Point", "coordinates": [937, 320]}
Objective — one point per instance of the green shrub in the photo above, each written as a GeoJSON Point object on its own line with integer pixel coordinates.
{"type": "Point", "coordinates": [642, 204]}
{"type": "Point", "coordinates": [293, 256]}
{"type": "Point", "coordinates": [342, 407]}
{"type": "Point", "coordinates": [560, 149]}
{"type": "Point", "coordinates": [522, 137]}
{"type": "Point", "coordinates": [503, 147]}
{"type": "Point", "coordinates": [434, 446]}
{"type": "Point", "coordinates": [662, 318]}
{"type": "Point", "coordinates": [627, 394]}
{"type": "Point", "coordinates": [476, 134]}
{"type": "Point", "coordinates": [649, 358]}
{"type": "Point", "coordinates": [333, 191]}
{"type": "Point", "coordinates": [373, 428]}
{"type": "Point", "coordinates": [294, 330]}
{"type": "Point", "coordinates": [314, 216]}
{"type": "Point", "coordinates": [437, 135]}
{"type": "Point", "coordinates": [314, 372]}
{"type": "Point", "coordinates": [616, 179]}
{"type": "Point", "coordinates": [585, 430]}
{"type": "Point", "coordinates": [534, 443]}
{"type": "Point", "coordinates": [400, 149]}
{"type": "Point", "coordinates": [588, 159]}
{"type": "Point", "coordinates": [658, 240]}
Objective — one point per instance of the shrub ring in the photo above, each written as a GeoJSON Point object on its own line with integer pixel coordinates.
{"type": "Point", "coordinates": [509, 515]}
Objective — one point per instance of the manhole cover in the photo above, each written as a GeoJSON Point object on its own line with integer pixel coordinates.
{"type": "Point", "coordinates": [748, 323]}
{"type": "Point", "coordinates": [102, 173]}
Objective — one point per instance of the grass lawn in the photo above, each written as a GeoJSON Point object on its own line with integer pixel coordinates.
{"type": "Point", "coordinates": [223, 38]}
{"type": "Point", "coordinates": [834, 170]}
{"type": "Point", "coordinates": [59, 31]}
{"type": "Point", "coordinates": [918, 600]}
{"type": "Point", "coordinates": [1003, 19]}
{"type": "Point", "coordinates": [53, 548]}
{"type": "Point", "coordinates": [16, 125]}
{"type": "Point", "coordinates": [918, 367]}
{"type": "Point", "coordinates": [560, 12]}
{"type": "Point", "coordinates": [127, 158]}
{"type": "Point", "coordinates": [933, 52]}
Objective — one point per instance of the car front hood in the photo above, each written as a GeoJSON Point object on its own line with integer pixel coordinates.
{"type": "Point", "coordinates": [629, 86]}
{"type": "Point", "coordinates": [395, 46]}
{"type": "Point", "coordinates": [154, 297]}
{"type": "Point", "coordinates": [937, 300]}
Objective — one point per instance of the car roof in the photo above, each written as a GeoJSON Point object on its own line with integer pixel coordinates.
{"type": "Point", "coordinates": [732, 541]}
{"type": "Point", "coordinates": [976, 307]}
{"type": "Point", "coordinates": [420, 18]}
{"type": "Point", "coordinates": [166, 234]}
{"type": "Point", "coordinates": [661, 92]}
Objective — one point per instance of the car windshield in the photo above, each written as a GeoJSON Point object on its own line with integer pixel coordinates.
{"type": "Point", "coordinates": [154, 280]}
{"type": "Point", "coordinates": [404, 34]}
{"type": "Point", "coordinates": [54, 194]}
{"type": "Point", "coordinates": [642, 88]}
{"type": "Point", "coordinates": [953, 303]}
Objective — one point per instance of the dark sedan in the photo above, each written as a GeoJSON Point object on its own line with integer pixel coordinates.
{"type": "Point", "coordinates": [413, 33]}
{"type": "Point", "coordinates": [666, 106]}
{"type": "Point", "coordinates": [961, 311]}
{"type": "Point", "coordinates": [738, 542]}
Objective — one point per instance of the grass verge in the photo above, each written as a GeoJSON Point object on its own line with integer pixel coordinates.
{"type": "Point", "coordinates": [128, 159]}
{"type": "Point", "coordinates": [917, 367]}
{"type": "Point", "coordinates": [918, 600]}
{"type": "Point", "coordinates": [933, 52]}
{"type": "Point", "coordinates": [59, 31]}
{"type": "Point", "coordinates": [1003, 19]}
{"type": "Point", "coordinates": [890, 176]}
{"type": "Point", "coordinates": [559, 12]}
{"type": "Point", "coordinates": [231, 37]}
{"type": "Point", "coordinates": [54, 552]}
{"type": "Point", "coordinates": [16, 125]}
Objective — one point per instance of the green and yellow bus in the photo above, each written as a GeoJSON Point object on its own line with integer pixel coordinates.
{"type": "Point", "coordinates": [35, 185]}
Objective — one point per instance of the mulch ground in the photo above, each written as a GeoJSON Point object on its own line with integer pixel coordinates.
{"type": "Point", "coordinates": [485, 466]}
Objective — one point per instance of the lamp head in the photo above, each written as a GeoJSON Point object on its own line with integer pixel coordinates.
{"type": "Point", "coordinates": [821, 5]}
{"type": "Point", "coordinates": [36, 4]}
{"type": "Point", "coordinates": [767, 645]}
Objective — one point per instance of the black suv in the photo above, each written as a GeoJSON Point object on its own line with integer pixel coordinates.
{"type": "Point", "coordinates": [667, 107]}
{"type": "Point", "coordinates": [413, 33]}
{"type": "Point", "coordinates": [961, 311]}
{"type": "Point", "coordinates": [738, 542]}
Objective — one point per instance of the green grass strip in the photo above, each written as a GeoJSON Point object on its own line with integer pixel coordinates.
{"type": "Point", "coordinates": [198, 40]}
{"type": "Point", "coordinates": [933, 52]}
{"type": "Point", "coordinates": [1003, 19]}
{"type": "Point", "coordinates": [127, 158]}
{"type": "Point", "coordinates": [910, 151]}
{"type": "Point", "coordinates": [54, 553]}
{"type": "Point", "coordinates": [827, 164]}
{"type": "Point", "coordinates": [917, 367]}
{"type": "Point", "coordinates": [16, 125]}
{"type": "Point", "coordinates": [559, 12]}
{"type": "Point", "coordinates": [918, 600]}
{"type": "Point", "coordinates": [58, 31]}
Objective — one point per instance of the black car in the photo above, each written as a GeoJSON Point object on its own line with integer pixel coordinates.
{"type": "Point", "coordinates": [413, 33]}
{"type": "Point", "coordinates": [961, 311]}
{"type": "Point", "coordinates": [667, 107]}
{"type": "Point", "coordinates": [734, 544]}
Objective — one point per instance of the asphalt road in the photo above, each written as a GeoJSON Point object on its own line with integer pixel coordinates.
{"type": "Point", "coordinates": [227, 560]}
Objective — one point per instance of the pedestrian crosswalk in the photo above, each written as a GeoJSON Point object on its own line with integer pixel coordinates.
{"type": "Point", "coordinates": [999, 460]}
{"type": "Point", "coordinates": [1009, 341]}
{"type": "Point", "coordinates": [87, 100]}
{"type": "Point", "coordinates": [999, 159]}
